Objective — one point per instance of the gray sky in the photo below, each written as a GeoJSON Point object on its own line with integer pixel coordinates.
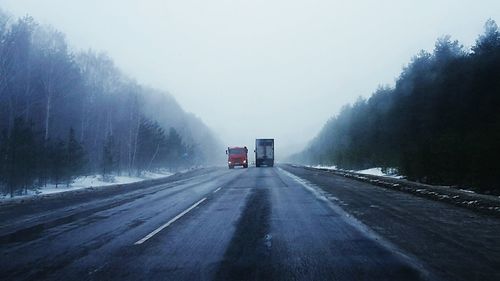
{"type": "Point", "coordinates": [261, 68]}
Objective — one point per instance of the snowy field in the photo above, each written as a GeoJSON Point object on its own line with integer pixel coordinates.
{"type": "Point", "coordinates": [90, 181]}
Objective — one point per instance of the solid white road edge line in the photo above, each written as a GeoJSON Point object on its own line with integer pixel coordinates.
{"type": "Point", "coordinates": [215, 191]}
{"type": "Point", "coordinates": [169, 222]}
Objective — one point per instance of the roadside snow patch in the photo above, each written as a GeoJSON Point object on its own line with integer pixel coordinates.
{"type": "Point", "coordinates": [324, 167]}
{"type": "Point", "coordinates": [372, 171]}
{"type": "Point", "coordinates": [89, 181]}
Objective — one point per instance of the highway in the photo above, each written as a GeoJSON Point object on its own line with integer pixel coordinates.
{"type": "Point", "coordinates": [280, 223]}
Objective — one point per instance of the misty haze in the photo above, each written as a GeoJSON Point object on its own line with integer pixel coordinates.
{"type": "Point", "coordinates": [249, 140]}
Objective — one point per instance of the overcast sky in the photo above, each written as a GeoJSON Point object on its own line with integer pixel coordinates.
{"type": "Point", "coordinates": [261, 68]}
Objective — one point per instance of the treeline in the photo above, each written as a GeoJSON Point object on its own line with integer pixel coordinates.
{"type": "Point", "coordinates": [65, 114]}
{"type": "Point", "coordinates": [439, 124]}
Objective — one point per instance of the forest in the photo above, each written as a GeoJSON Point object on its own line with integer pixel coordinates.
{"type": "Point", "coordinates": [65, 114]}
{"type": "Point", "coordinates": [439, 123]}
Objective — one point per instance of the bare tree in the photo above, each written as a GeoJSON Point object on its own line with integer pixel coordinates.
{"type": "Point", "coordinates": [56, 70]}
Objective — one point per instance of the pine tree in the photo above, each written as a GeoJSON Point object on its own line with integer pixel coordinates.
{"type": "Point", "coordinates": [175, 149]}
{"type": "Point", "coordinates": [75, 158]}
{"type": "Point", "coordinates": [153, 146]}
{"type": "Point", "coordinates": [20, 157]}
{"type": "Point", "coordinates": [109, 158]}
{"type": "Point", "coordinates": [57, 161]}
{"type": "Point", "coordinates": [489, 42]}
{"type": "Point", "coordinates": [3, 160]}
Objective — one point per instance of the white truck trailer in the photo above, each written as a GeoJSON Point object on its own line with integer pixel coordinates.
{"type": "Point", "coordinates": [264, 152]}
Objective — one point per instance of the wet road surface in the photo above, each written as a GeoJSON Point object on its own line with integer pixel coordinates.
{"type": "Point", "coordinates": [242, 224]}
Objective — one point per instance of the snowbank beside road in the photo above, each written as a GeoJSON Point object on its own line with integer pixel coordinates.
{"type": "Point", "coordinates": [323, 167]}
{"type": "Point", "coordinates": [372, 171]}
{"type": "Point", "coordinates": [464, 198]}
{"type": "Point", "coordinates": [89, 181]}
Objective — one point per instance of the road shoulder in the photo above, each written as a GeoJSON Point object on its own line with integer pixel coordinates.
{"type": "Point", "coordinates": [457, 243]}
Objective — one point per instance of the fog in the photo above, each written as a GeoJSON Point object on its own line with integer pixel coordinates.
{"type": "Point", "coordinates": [270, 69]}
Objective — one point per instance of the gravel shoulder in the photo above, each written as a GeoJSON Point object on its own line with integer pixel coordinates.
{"type": "Point", "coordinates": [487, 204]}
{"type": "Point", "coordinates": [457, 243]}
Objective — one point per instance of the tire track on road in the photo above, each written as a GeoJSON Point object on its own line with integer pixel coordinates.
{"type": "Point", "coordinates": [248, 257]}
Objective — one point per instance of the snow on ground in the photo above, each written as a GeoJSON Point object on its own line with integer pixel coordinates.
{"type": "Point", "coordinates": [324, 167]}
{"type": "Point", "coordinates": [372, 171]}
{"type": "Point", "coordinates": [90, 181]}
{"type": "Point", "coordinates": [378, 172]}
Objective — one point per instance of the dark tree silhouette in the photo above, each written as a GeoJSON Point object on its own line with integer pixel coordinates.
{"type": "Point", "coordinates": [109, 158]}
{"type": "Point", "coordinates": [439, 124]}
{"type": "Point", "coordinates": [19, 157]}
{"type": "Point", "coordinates": [46, 91]}
{"type": "Point", "coordinates": [75, 158]}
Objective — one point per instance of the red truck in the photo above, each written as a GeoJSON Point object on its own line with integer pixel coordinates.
{"type": "Point", "coordinates": [237, 156]}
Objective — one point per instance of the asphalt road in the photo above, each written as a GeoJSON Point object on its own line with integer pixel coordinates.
{"type": "Point", "coordinates": [241, 224]}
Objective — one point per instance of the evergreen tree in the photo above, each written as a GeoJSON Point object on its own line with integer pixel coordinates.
{"type": "Point", "coordinates": [20, 158]}
{"type": "Point", "coordinates": [58, 161]}
{"type": "Point", "coordinates": [75, 158]}
{"type": "Point", "coordinates": [3, 161]}
{"type": "Point", "coordinates": [439, 124]}
{"type": "Point", "coordinates": [109, 158]}
{"type": "Point", "coordinates": [489, 42]}
{"type": "Point", "coordinates": [52, 88]}
{"type": "Point", "coordinates": [153, 146]}
{"type": "Point", "coordinates": [176, 149]}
